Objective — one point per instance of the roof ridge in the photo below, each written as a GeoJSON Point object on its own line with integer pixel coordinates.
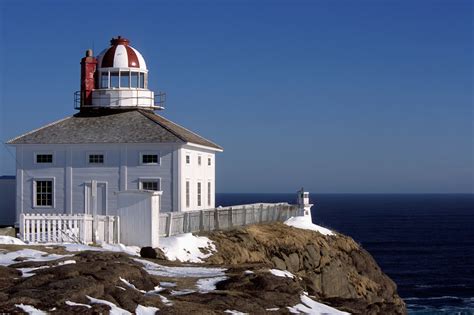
{"type": "Point", "coordinates": [38, 129]}
{"type": "Point", "coordinates": [217, 146]}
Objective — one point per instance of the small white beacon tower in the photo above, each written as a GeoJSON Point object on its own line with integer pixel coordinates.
{"type": "Point", "coordinates": [304, 207]}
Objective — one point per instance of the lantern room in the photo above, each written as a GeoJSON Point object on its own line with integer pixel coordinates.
{"type": "Point", "coordinates": [117, 78]}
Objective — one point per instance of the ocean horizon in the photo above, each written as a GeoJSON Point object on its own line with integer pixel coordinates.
{"type": "Point", "coordinates": [423, 242]}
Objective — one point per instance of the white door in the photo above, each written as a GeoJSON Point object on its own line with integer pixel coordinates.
{"type": "Point", "coordinates": [95, 198]}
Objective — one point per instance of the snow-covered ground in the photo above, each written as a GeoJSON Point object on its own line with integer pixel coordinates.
{"type": "Point", "coordinates": [8, 258]}
{"type": "Point", "coordinates": [9, 240]}
{"type": "Point", "coordinates": [206, 285]}
{"type": "Point", "coordinates": [281, 273]}
{"type": "Point", "coordinates": [30, 309]}
{"type": "Point", "coordinates": [306, 224]}
{"type": "Point", "coordinates": [309, 306]}
{"type": "Point", "coordinates": [187, 247]}
{"type": "Point", "coordinates": [180, 272]}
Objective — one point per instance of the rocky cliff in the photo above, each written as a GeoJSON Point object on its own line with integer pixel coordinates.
{"type": "Point", "coordinates": [237, 277]}
{"type": "Point", "coordinates": [334, 269]}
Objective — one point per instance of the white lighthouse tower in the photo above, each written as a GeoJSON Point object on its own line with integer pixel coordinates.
{"type": "Point", "coordinates": [304, 207]}
{"type": "Point", "coordinates": [116, 79]}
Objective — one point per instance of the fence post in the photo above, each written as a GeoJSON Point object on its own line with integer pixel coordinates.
{"type": "Point", "coordinates": [245, 216]}
{"type": "Point", "coordinates": [185, 222]}
{"type": "Point", "coordinates": [260, 220]}
{"type": "Point", "coordinates": [22, 227]}
{"type": "Point", "coordinates": [117, 229]}
{"type": "Point", "coordinates": [168, 227]}
{"type": "Point", "coordinates": [216, 220]}
{"type": "Point", "coordinates": [201, 220]}
{"type": "Point", "coordinates": [231, 216]}
{"type": "Point", "coordinates": [95, 226]}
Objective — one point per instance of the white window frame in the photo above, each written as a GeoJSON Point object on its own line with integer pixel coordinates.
{"type": "Point", "coordinates": [149, 179]}
{"type": "Point", "coordinates": [187, 193]}
{"type": "Point", "coordinates": [149, 153]}
{"type": "Point", "coordinates": [199, 193]}
{"type": "Point", "coordinates": [95, 153]}
{"type": "Point", "coordinates": [209, 196]}
{"type": "Point", "coordinates": [53, 192]}
{"type": "Point", "coordinates": [44, 153]}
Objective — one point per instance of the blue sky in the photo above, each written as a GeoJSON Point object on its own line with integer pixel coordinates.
{"type": "Point", "coordinates": [335, 96]}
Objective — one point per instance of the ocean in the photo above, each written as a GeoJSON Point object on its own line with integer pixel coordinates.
{"type": "Point", "coordinates": [423, 242]}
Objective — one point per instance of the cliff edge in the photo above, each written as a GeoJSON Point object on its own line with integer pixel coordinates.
{"type": "Point", "coordinates": [334, 269]}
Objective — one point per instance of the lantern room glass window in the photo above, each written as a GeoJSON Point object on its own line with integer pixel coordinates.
{"type": "Point", "coordinates": [104, 80]}
{"type": "Point", "coordinates": [142, 80]}
{"type": "Point", "coordinates": [114, 80]}
{"type": "Point", "coordinates": [134, 76]}
{"type": "Point", "coordinates": [124, 79]}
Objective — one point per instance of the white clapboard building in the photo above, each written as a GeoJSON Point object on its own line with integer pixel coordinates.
{"type": "Point", "coordinates": [115, 142]}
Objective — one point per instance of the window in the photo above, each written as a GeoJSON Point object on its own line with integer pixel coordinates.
{"type": "Point", "coordinates": [43, 193]}
{"type": "Point", "coordinates": [134, 80]}
{"type": "Point", "coordinates": [149, 158]}
{"type": "Point", "coordinates": [150, 184]}
{"type": "Point", "coordinates": [96, 159]}
{"type": "Point", "coordinates": [199, 194]}
{"type": "Point", "coordinates": [208, 194]}
{"type": "Point", "coordinates": [142, 80]}
{"type": "Point", "coordinates": [188, 159]}
{"type": "Point", "coordinates": [199, 160]}
{"type": "Point", "coordinates": [209, 161]}
{"type": "Point", "coordinates": [187, 194]}
{"type": "Point", "coordinates": [104, 80]}
{"type": "Point", "coordinates": [114, 79]}
{"type": "Point", "coordinates": [44, 158]}
{"type": "Point", "coordinates": [124, 79]}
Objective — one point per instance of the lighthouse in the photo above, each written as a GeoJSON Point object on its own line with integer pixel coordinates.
{"type": "Point", "coordinates": [115, 143]}
{"type": "Point", "coordinates": [117, 79]}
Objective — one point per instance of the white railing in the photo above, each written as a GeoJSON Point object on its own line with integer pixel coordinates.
{"type": "Point", "coordinates": [74, 228]}
{"type": "Point", "coordinates": [221, 218]}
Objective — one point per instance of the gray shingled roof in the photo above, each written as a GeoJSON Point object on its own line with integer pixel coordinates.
{"type": "Point", "coordinates": [133, 126]}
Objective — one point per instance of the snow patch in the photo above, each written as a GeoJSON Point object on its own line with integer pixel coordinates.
{"type": "Point", "coordinates": [30, 309]}
{"type": "Point", "coordinates": [8, 258]}
{"type": "Point", "coordinates": [304, 222]}
{"type": "Point", "coordinates": [182, 292]}
{"type": "Point", "coordinates": [309, 306]}
{"type": "Point", "coordinates": [114, 309]}
{"type": "Point", "coordinates": [209, 284]}
{"type": "Point", "coordinates": [248, 272]}
{"type": "Point", "coordinates": [128, 284]}
{"type": "Point", "coordinates": [187, 247]}
{"type": "Point", "coordinates": [281, 273]}
{"type": "Point", "coordinates": [9, 240]}
{"type": "Point", "coordinates": [180, 272]}
{"type": "Point", "coordinates": [273, 309]}
{"type": "Point", "coordinates": [234, 312]}
{"type": "Point", "coordinates": [146, 310]}
{"type": "Point", "coordinates": [70, 303]}
{"type": "Point", "coordinates": [167, 284]}
{"type": "Point", "coordinates": [130, 250]}
{"type": "Point", "coordinates": [165, 300]}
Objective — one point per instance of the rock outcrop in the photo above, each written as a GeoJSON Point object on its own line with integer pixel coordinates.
{"type": "Point", "coordinates": [335, 269]}
{"type": "Point", "coordinates": [332, 269]}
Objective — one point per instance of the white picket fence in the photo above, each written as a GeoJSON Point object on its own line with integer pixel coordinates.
{"type": "Point", "coordinates": [222, 218]}
{"type": "Point", "coordinates": [63, 228]}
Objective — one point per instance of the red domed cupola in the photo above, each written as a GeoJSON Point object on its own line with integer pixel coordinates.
{"type": "Point", "coordinates": [117, 78]}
